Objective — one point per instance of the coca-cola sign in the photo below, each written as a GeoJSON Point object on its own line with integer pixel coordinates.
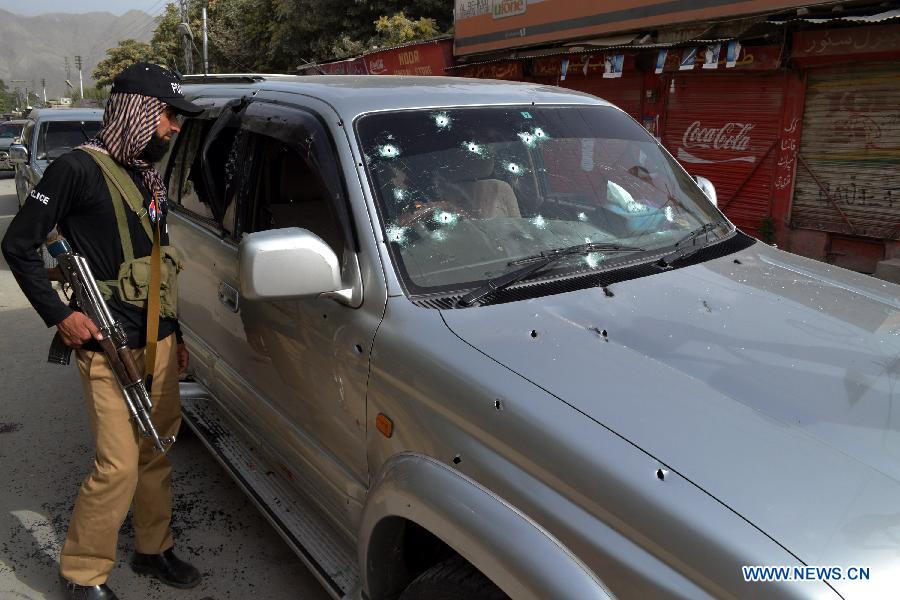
{"type": "Point", "coordinates": [730, 137]}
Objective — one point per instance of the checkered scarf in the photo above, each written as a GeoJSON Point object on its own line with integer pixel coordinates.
{"type": "Point", "coordinates": [129, 122]}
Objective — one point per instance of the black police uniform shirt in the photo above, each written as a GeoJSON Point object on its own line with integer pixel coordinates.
{"type": "Point", "coordinates": [73, 195]}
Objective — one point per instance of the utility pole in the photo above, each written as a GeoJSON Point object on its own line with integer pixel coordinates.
{"type": "Point", "coordinates": [205, 42]}
{"type": "Point", "coordinates": [68, 71]}
{"type": "Point", "coordinates": [44, 88]}
{"type": "Point", "coordinates": [187, 37]}
{"type": "Point", "coordinates": [25, 102]}
{"type": "Point", "coordinates": [80, 80]}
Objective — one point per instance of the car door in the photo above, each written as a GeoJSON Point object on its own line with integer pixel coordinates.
{"type": "Point", "coordinates": [306, 360]}
{"type": "Point", "coordinates": [199, 232]}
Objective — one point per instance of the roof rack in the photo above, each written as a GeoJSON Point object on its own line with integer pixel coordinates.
{"type": "Point", "coordinates": [222, 78]}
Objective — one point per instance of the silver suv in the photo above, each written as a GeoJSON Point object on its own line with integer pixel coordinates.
{"type": "Point", "coordinates": [10, 131]}
{"type": "Point", "coordinates": [470, 339]}
{"type": "Point", "coordinates": [48, 134]}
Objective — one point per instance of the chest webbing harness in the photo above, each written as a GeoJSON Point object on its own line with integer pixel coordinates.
{"type": "Point", "coordinates": [123, 191]}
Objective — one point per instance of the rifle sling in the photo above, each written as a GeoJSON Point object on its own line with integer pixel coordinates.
{"type": "Point", "coordinates": [118, 181]}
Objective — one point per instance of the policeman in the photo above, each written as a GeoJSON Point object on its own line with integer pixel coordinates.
{"type": "Point", "coordinates": [107, 198]}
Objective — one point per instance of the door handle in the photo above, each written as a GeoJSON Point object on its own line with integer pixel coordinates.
{"type": "Point", "coordinates": [229, 296]}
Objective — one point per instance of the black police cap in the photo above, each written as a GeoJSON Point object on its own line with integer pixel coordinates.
{"type": "Point", "coordinates": [154, 81]}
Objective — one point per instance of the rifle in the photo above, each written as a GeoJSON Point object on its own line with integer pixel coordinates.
{"type": "Point", "coordinates": [76, 272]}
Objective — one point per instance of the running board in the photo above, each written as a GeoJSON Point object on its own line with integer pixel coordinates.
{"type": "Point", "coordinates": [296, 520]}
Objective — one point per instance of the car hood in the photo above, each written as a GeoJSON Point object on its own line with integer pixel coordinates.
{"type": "Point", "coordinates": [771, 381]}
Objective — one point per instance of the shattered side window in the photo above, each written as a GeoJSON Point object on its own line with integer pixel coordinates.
{"type": "Point", "coordinates": [463, 192]}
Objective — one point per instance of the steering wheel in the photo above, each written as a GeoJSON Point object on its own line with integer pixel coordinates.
{"type": "Point", "coordinates": [420, 214]}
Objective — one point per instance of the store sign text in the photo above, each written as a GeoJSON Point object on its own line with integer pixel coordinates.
{"type": "Point", "coordinates": [501, 9]}
{"type": "Point", "coordinates": [733, 137]}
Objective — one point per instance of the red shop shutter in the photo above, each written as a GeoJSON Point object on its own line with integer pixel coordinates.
{"type": "Point", "coordinates": [625, 91]}
{"type": "Point", "coordinates": [725, 127]}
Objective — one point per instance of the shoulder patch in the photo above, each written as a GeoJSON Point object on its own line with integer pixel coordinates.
{"type": "Point", "coordinates": [42, 198]}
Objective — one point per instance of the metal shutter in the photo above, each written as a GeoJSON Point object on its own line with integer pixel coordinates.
{"type": "Point", "coordinates": [848, 172]}
{"type": "Point", "coordinates": [625, 91]}
{"type": "Point", "coordinates": [726, 127]}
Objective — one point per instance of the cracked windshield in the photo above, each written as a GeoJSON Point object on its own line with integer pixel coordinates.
{"type": "Point", "coordinates": [465, 192]}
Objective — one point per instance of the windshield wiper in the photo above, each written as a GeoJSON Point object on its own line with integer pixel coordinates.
{"type": "Point", "coordinates": [536, 263]}
{"type": "Point", "coordinates": [682, 250]}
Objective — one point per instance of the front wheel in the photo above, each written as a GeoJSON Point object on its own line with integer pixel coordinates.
{"type": "Point", "coordinates": [454, 579]}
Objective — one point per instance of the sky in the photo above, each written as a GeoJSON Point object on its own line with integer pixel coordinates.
{"type": "Point", "coordinates": [117, 7]}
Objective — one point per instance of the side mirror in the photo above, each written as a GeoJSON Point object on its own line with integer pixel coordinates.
{"type": "Point", "coordinates": [706, 186]}
{"type": "Point", "coordinates": [18, 154]}
{"type": "Point", "coordinates": [285, 264]}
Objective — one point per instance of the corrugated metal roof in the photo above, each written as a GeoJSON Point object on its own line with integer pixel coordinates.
{"type": "Point", "coordinates": [568, 51]}
{"type": "Point", "coordinates": [889, 15]}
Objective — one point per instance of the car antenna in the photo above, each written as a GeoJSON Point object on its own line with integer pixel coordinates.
{"type": "Point", "coordinates": [313, 65]}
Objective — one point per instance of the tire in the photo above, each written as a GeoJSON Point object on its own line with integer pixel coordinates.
{"type": "Point", "coordinates": [454, 579]}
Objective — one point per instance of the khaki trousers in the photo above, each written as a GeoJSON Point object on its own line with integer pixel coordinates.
{"type": "Point", "coordinates": [126, 468]}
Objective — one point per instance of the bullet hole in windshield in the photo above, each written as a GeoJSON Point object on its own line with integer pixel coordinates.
{"type": "Point", "coordinates": [397, 234]}
{"type": "Point", "coordinates": [534, 334]}
{"type": "Point", "coordinates": [457, 459]}
{"type": "Point", "coordinates": [539, 133]}
{"type": "Point", "coordinates": [515, 168]}
{"type": "Point", "coordinates": [594, 259]}
{"type": "Point", "coordinates": [582, 217]}
{"type": "Point", "coordinates": [442, 120]}
{"type": "Point", "coordinates": [498, 405]}
{"type": "Point", "coordinates": [399, 194]}
{"type": "Point", "coordinates": [389, 151]}
{"type": "Point", "coordinates": [473, 148]}
{"type": "Point", "coordinates": [539, 221]}
{"type": "Point", "coordinates": [443, 217]}
{"type": "Point", "coordinates": [528, 138]}
{"type": "Point", "coordinates": [661, 474]}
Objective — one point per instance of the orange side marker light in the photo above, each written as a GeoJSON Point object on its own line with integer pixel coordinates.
{"type": "Point", "coordinates": [384, 425]}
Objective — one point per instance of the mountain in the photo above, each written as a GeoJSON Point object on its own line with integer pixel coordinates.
{"type": "Point", "coordinates": [33, 48]}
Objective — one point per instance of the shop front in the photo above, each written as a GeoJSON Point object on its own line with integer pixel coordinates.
{"type": "Point", "coordinates": [422, 58]}
{"type": "Point", "coordinates": [846, 196]}
{"type": "Point", "coordinates": [726, 124]}
{"type": "Point", "coordinates": [602, 74]}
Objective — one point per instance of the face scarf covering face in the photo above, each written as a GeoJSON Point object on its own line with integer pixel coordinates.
{"type": "Point", "coordinates": [129, 124]}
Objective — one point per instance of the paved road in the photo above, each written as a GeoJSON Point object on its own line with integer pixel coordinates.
{"type": "Point", "coordinates": [45, 451]}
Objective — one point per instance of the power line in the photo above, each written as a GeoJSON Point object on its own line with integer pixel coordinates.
{"type": "Point", "coordinates": [111, 41]}
{"type": "Point", "coordinates": [241, 68]}
{"type": "Point", "coordinates": [138, 25]}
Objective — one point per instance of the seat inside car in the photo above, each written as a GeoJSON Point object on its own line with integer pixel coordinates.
{"type": "Point", "coordinates": [300, 201]}
{"type": "Point", "coordinates": [468, 181]}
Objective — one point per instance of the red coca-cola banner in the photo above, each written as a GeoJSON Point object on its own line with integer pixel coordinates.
{"type": "Point", "coordinates": [831, 45]}
{"type": "Point", "coordinates": [426, 58]}
{"type": "Point", "coordinates": [733, 136]}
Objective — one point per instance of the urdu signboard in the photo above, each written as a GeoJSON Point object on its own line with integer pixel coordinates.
{"type": "Point", "coordinates": [489, 25]}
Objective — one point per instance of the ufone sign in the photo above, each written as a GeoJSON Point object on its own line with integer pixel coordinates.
{"type": "Point", "coordinates": [501, 9]}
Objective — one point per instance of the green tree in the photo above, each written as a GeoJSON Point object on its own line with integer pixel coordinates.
{"type": "Point", "coordinates": [126, 53]}
{"type": "Point", "coordinates": [7, 98]}
{"type": "Point", "coordinates": [399, 29]}
{"type": "Point", "coordinates": [278, 35]}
